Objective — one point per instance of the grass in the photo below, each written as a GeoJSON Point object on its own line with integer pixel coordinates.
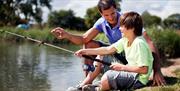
{"type": "Point", "coordinates": [173, 84]}
{"type": "Point", "coordinates": [43, 35]}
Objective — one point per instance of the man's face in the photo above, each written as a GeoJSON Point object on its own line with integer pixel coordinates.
{"type": "Point", "coordinates": [110, 15]}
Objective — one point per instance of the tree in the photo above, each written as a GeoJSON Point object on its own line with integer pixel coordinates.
{"type": "Point", "coordinates": [150, 20]}
{"type": "Point", "coordinates": [118, 4]}
{"type": "Point", "coordinates": [173, 21]}
{"type": "Point", "coordinates": [6, 12]}
{"type": "Point", "coordinates": [12, 9]}
{"type": "Point", "coordinates": [65, 19]}
{"type": "Point", "coordinates": [92, 15]}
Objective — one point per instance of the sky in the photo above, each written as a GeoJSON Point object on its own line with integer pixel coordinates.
{"type": "Point", "coordinates": [161, 8]}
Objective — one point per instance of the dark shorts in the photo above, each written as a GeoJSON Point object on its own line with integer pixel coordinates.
{"type": "Point", "coordinates": [121, 80]}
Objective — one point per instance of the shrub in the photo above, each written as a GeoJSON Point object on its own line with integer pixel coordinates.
{"type": "Point", "coordinates": [167, 41]}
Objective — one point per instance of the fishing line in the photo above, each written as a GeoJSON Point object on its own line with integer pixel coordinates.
{"type": "Point", "coordinates": [57, 47]}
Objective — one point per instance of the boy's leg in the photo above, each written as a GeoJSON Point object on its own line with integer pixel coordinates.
{"type": "Point", "coordinates": [118, 80]}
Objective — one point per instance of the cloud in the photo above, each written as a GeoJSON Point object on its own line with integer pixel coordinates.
{"type": "Point", "coordinates": [78, 6]}
{"type": "Point", "coordinates": [142, 5]}
{"type": "Point", "coordinates": [60, 4]}
{"type": "Point", "coordinates": [161, 8]}
{"type": "Point", "coordinates": [172, 7]}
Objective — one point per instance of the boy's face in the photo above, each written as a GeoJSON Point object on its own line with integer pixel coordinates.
{"type": "Point", "coordinates": [110, 15]}
{"type": "Point", "coordinates": [126, 32]}
{"type": "Point", "coordinates": [122, 29]}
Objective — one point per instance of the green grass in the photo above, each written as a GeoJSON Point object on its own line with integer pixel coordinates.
{"type": "Point", "coordinates": [173, 84]}
{"type": "Point", "coordinates": [43, 35]}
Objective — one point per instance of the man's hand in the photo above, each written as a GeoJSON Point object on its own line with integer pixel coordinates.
{"type": "Point", "coordinates": [158, 79]}
{"type": "Point", "coordinates": [59, 33]}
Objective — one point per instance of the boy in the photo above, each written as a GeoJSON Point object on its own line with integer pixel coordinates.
{"type": "Point", "coordinates": [136, 73]}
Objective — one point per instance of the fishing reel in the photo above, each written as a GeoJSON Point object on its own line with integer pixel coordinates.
{"type": "Point", "coordinates": [88, 67]}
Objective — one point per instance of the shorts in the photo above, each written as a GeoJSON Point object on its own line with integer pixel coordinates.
{"type": "Point", "coordinates": [121, 80]}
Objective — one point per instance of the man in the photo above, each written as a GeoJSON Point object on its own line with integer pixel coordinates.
{"type": "Point", "coordinates": [108, 24]}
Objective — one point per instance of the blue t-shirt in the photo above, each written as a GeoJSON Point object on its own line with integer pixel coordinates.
{"type": "Point", "coordinates": [113, 34]}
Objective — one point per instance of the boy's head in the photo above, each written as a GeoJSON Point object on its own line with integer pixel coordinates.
{"type": "Point", "coordinates": [132, 20]}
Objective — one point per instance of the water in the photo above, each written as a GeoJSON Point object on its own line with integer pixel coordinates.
{"type": "Point", "coordinates": [28, 67]}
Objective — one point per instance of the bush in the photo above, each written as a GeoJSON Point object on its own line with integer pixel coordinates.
{"type": "Point", "coordinates": [167, 41]}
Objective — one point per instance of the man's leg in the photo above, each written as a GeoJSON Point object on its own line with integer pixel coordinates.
{"type": "Point", "coordinates": [91, 44]}
{"type": "Point", "coordinates": [92, 75]}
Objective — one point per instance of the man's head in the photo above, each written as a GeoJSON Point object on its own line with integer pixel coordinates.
{"type": "Point", "coordinates": [132, 20]}
{"type": "Point", "coordinates": [108, 10]}
{"type": "Point", "coordinates": [106, 4]}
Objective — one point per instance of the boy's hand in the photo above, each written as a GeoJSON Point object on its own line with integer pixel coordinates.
{"type": "Point", "coordinates": [80, 52]}
{"type": "Point", "coordinates": [117, 66]}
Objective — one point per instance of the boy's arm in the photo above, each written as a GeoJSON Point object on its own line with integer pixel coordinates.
{"type": "Point", "coordinates": [136, 69]}
{"type": "Point", "coordinates": [96, 51]}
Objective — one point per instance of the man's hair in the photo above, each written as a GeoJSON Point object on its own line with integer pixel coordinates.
{"type": "Point", "coordinates": [132, 20]}
{"type": "Point", "coordinates": [106, 4]}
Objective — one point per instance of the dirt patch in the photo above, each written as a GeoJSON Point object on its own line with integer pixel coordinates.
{"type": "Point", "coordinates": [169, 70]}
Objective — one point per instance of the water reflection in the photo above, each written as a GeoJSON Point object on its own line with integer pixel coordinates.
{"type": "Point", "coordinates": [27, 67]}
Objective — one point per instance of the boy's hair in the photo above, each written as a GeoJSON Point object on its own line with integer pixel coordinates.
{"type": "Point", "coordinates": [106, 4]}
{"type": "Point", "coordinates": [132, 20]}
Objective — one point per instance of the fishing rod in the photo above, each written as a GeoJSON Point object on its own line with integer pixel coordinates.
{"type": "Point", "coordinates": [57, 47]}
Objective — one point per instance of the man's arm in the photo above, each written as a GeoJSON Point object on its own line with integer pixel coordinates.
{"type": "Point", "coordinates": [76, 39]}
{"type": "Point", "coordinates": [156, 65]}
{"type": "Point", "coordinates": [157, 77]}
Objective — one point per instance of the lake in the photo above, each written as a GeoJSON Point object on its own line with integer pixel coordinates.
{"type": "Point", "coordinates": [29, 67]}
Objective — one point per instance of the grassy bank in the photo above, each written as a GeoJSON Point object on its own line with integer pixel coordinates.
{"type": "Point", "coordinates": [43, 35]}
{"type": "Point", "coordinates": [167, 40]}
{"type": "Point", "coordinates": [173, 84]}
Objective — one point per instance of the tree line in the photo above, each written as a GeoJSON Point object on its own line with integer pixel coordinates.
{"type": "Point", "coordinates": [12, 10]}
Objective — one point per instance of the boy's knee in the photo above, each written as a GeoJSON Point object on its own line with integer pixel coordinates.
{"type": "Point", "coordinates": [104, 83]}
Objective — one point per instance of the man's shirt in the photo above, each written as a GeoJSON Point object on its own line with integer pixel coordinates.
{"type": "Point", "coordinates": [113, 34]}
